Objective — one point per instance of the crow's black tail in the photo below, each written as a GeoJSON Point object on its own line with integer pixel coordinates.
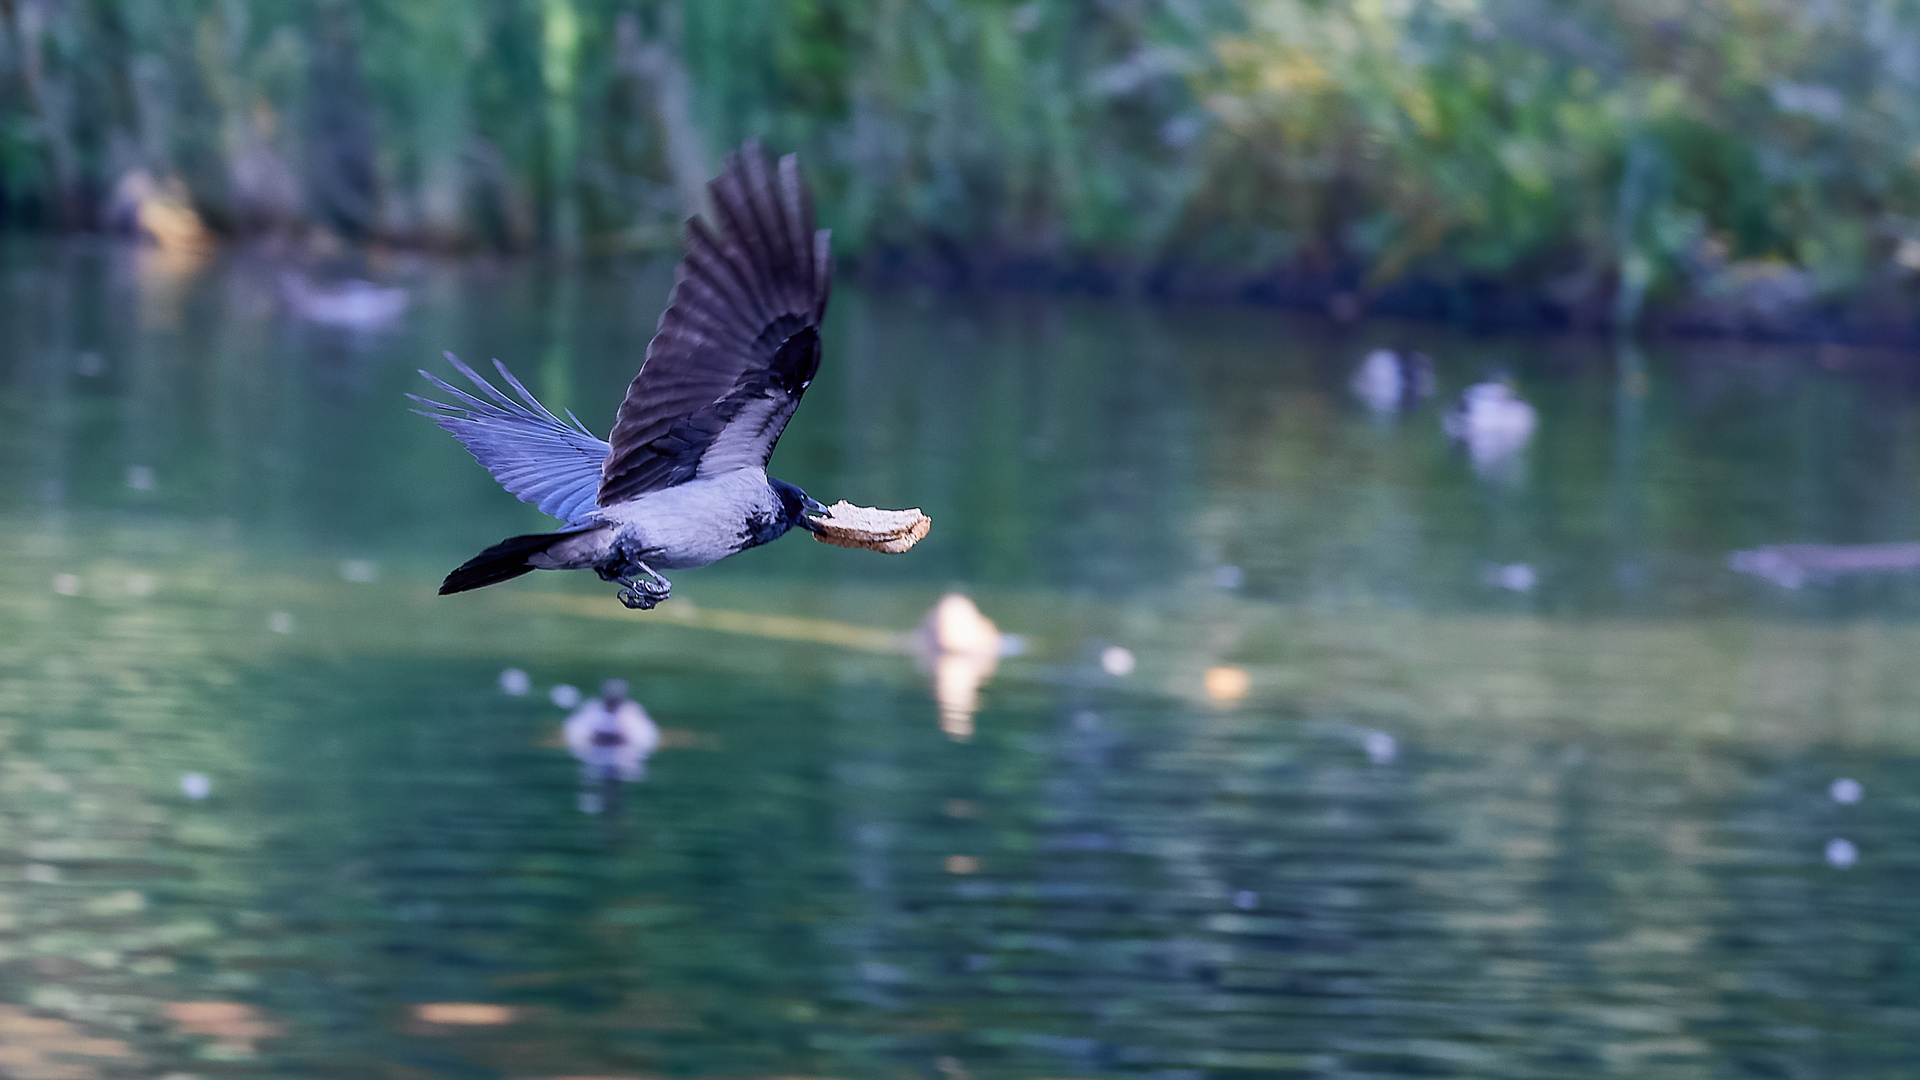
{"type": "Point", "coordinates": [503, 561]}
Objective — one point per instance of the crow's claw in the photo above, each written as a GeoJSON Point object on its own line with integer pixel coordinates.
{"type": "Point", "coordinates": [641, 595]}
{"type": "Point", "coordinates": [638, 600]}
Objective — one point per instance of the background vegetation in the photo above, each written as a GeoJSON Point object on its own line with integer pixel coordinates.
{"type": "Point", "coordinates": [1742, 163]}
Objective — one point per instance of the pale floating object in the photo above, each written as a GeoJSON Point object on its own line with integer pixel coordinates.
{"type": "Point", "coordinates": [1117, 661]}
{"type": "Point", "coordinates": [1793, 565]}
{"type": "Point", "coordinates": [140, 477]}
{"type": "Point", "coordinates": [465, 1013]}
{"type": "Point", "coordinates": [957, 625]}
{"type": "Point", "coordinates": [564, 696]}
{"type": "Point", "coordinates": [1492, 422]}
{"type": "Point", "coordinates": [356, 305]}
{"type": "Point", "coordinates": [1841, 853]}
{"type": "Point", "coordinates": [1514, 577]}
{"type": "Point", "coordinates": [234, 1025]}
{"type": "Point", "coordinates": [1246, 899]}
{"type": "Point", "coordinates": [1846, 791]}
{"type": "Point", "coordinates": [360, 571]}
{"type": "Point", "coordinates": [280, 622]}
{"type": "Point", "coordinates": [963, 864]}
{"type": "Point", "coordinates": [891, 531]}
{"type": "Point", "coordinates": [1390, 382]}
{"type": "Point", "coordinates": [1226, 683]}
{"type": "Point", "coordinates": [196, 786]}
{"type": "Point", "coordinates": [611, 736]}
{"type": "Point", "coordinates": [515, 682]}
{"type": "Point", "coordinates": [1381, 747]}
{"type": "Point", "coordinates": [66, 584]}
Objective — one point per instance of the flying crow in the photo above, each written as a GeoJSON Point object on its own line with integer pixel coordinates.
{"type": "Point", "coordinates": [683, 481]}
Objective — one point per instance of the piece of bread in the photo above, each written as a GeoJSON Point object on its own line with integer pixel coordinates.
{"type": "Point", "coordinates": [891, 531]}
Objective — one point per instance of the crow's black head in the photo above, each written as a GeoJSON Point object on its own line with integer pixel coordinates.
{"type": "Point", "coordinates": [796, 506]}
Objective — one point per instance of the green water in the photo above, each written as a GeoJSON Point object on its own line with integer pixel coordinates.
{"type": "Point", "coordinates": [1596, 850]}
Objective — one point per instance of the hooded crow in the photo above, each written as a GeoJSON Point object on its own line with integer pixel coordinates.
{"type": "Point", "coordinates": [683, 480]}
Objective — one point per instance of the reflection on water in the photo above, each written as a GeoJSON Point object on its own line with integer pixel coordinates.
{"type": "Point", "coordinates": [1435, 825]}
{"type": "Point", "coordinates": [961, 648]}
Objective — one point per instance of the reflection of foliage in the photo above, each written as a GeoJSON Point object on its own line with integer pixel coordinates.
{"type": "Point", "coordinates": [1602, 140]}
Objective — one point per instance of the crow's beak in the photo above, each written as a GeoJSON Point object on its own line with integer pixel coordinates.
{"type": "Point", "coordinates": [810, 508]}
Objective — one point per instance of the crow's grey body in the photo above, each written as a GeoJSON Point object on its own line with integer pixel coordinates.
{"type": "Point", "coordinates": [693, 524]}
{"type": "Point", "coordinates": [682, 482]}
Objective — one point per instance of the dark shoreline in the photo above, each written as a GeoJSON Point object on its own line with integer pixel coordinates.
{"type": "Point", "coordinates": [1477, 305]}
{"type": "Point", "coordinates": [1480, 305]}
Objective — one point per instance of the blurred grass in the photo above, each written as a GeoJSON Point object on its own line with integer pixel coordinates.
{"type": "Point", "coordinates": [1740, 161]}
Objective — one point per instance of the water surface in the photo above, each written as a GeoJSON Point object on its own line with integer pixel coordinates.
{"type": "Point", "coordinates": [1452, 827]}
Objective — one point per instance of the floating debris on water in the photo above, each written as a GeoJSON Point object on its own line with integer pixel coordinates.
{"type": "Point", "coordinates": [66, 584]}
{"type": "Point", "coordinates": [280, 622]}
{"type": "Point", "coordinates": [196, 786]}
{"type": "Point", "coordinates": [353, 304]}
{"type": "Point", "coordinates": [1514, 577]}
{"type": "Point", "coordinates": [1224, 684]}
{"type": "Point", "coordinates": [465, 1013]}
{"type": "Point", "coordinates": [515, 682]}
{"type": "Point", "coordinates": [1841, 853]}
{"type": "Point", "coordinates": [564, 695]}
{"type": "Point", "coordinates": [1390, 382]}
{"type": "Point", "coordinates": [1792, 565]}
{"type": "Point", "coordinates": [1846, 791]}
{"type": "Point", "coordinates": [611, 736]}
{"type": "Point", "coordinates": [1492, 422]}
{"type": "Point", "coordinates": [1116, 661]}
{"type": "Point", "coordinates": [1381, 747]}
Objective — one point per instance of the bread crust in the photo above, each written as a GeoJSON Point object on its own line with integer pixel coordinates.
{"type": "Point", "coordinates": [869, 527]}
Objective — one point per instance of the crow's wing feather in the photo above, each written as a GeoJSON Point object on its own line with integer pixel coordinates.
{"type": "Point", "coordinates": [541, 459]}
{"type": "Point", "coordinates": [739, 341]}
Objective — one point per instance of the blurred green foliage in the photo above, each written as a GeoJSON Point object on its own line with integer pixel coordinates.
{"type": "Point", "coordinates": [1748, 152]}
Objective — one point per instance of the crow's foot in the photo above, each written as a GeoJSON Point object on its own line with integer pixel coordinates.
{"type": "Point", "coordinates": [642, 595]}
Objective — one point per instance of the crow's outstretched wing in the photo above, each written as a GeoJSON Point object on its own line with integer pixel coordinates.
{"type": "Point", "coordinates": [553, 464]}
{"type": "Point", "coordinates": [739, 341]}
